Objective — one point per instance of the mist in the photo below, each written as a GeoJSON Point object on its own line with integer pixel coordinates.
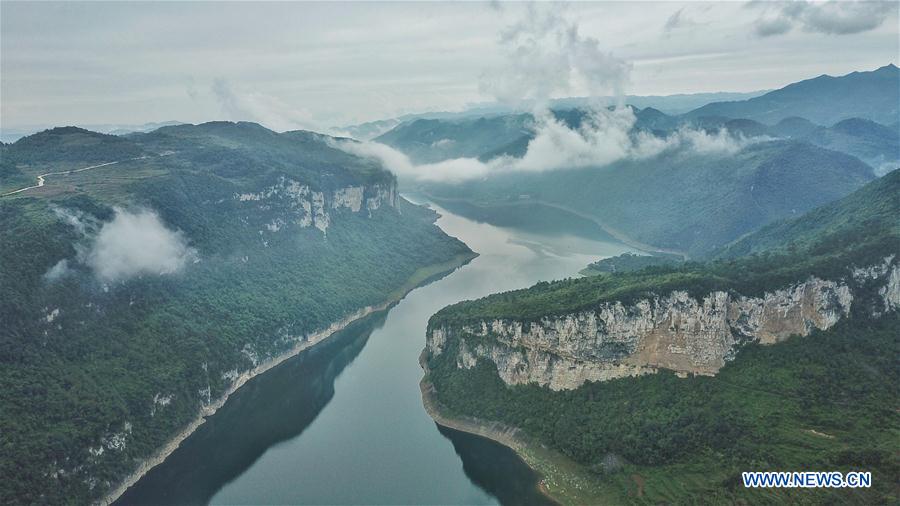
{"type": "Point", "coordinates": [133, 243]}
{"type": "Point", "coordinates": [546, 57]}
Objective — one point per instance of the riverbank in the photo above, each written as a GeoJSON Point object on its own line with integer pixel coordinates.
{"type": "Point", "coordinates": [420, 277]}
{"type": "Point", "coordinates": [562, 480]}
{"type": "Point", "coordinates": [615, 233]}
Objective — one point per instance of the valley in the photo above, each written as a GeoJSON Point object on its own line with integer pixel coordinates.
{"type": "Point", "coordinates": [586, 377]}
{"type": "Point", "coordinates": [370, 425]}
{"type": "Point", "coordinates": [580, 291]}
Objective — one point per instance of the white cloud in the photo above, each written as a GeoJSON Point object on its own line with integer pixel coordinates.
{"type": "Point", "coordinates": [136, 243]}
{"type": "Point", "coordinates": [601, 139]}
{"type": "Point", "coordinates": [103, 62]}
{"type": "Point", "coordinates": [455, 170]}
{"type": "Point", "coordinates": [261, 108]}
{"type": "Point", "coordinates": [58, 271]}
{"type": "Point", "coordinates": [133, 243]}
{"type": "Point", "coordinates": [546, 56]}
{"type": "Point", "coordinates": [604, 137]}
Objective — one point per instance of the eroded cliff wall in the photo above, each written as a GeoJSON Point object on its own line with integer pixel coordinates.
{"type": "Point", "coordinates": [671, 331]}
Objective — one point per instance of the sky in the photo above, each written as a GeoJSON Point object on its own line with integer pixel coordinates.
{"type": "Point", "coordinates": [294, 65]}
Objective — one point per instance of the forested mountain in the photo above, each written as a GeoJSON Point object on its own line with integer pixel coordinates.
{"type": "Point", "coordinates": [684, 201]}
{"type": "Point", "coordinates": [867, 211]}
{"type": "Point", "coordinates": [670, 104]}
{"type": "Point", "coordinates": [751, 170]}
{"type": "Point", "coordinates": [855, 114]}
{"type": "Point", "coordinates": [684, 375]}
{"type": "Point", "coordinates": [135, 294]}
{"type": "Point", "coordinates": [824, 100]}
{"type": "Point", "coordinates": [432, 140]}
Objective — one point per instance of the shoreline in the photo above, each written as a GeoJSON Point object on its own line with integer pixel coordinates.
{"type": "Point", "coordinates": [495, 431]}
{"type": "Point", "coordinates": [562, 480]}
{"type": "Point", "coordinates": [615, 233]}
{"type": "Point", "coordinates": [421, 277]}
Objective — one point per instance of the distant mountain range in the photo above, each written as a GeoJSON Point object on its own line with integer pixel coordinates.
{"type": "Point", "coordinates": [684, 201]}
{"type": "Point", "coordinates": [670, 104]}
{"type": "Point", "coordinates": [692, 202]}
{"type": "Point", "coordinates": [685, 372]}
{"type": "Point", "coordinates": [9, 135]}
{"type": "Point", "coordinates": [824, 100]}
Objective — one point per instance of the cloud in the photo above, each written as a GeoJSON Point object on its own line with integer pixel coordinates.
{"type": "Point", "coordinates": [605, 136]}
{"type": "Point", "coordinates": [773, 26]}
{"type": "Point", "coordinates": [721, 142]}
{"type": "Point", "coordinates": [264, 109]}
{"type": "Point", "coordinates": [455, 170]}
{"type": "Point", "coordinates": [136, 243]}
{"type": "Point", "coordinates": [677, 20]}
{"type": "Point", "coordinates": [832, 17]}
{"type": "Point", "coordinates": [547, 56]}
{"type": "Point", "coordinates": [82, 223]}
{"type": "Point", "coordinates": [601, 139]}
{"type": "Point", "coordinates": [58, 271]}
{"type": "Point", "coordinates": [133, 243]}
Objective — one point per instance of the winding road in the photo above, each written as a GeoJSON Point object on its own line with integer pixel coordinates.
{"type": "Point", "coordinates": [40, 179]}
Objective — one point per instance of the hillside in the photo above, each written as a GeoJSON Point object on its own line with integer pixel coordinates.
{"type": "Point", "coordinates": [63, 144]}
{"type": "Point", "coordinates": [136, 295]}
{"type": "Point", "coordinates": [671, 373]}
{"type": "Point", "coordinates": [685, 201]}
{"type": "Point", "coordinates": [871, 207]}
{"type": "Point", "coordinates": [873, 143]}
{"type": "Point", "coordinates": [433, 140]}
{"type": "Point", "coordinates": [487, 137]}
{"type": "Point", "coordinates": [824, 100]}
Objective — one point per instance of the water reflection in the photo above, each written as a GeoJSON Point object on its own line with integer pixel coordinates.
{"type": "Point", "coordinates": [269, 409]}
{"type": "Point", "coordinates": [344, 423]}
{"type": "Point", "coordinates": [496, 469]}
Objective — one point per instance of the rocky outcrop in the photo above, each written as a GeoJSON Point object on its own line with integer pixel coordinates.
{"type": "Point", "coordinates": [673, 331]}
{"type": "Point", "coordinates": [294, 202]}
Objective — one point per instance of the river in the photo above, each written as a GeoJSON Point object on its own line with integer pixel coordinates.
{"type": "Point", "coordinates": [343, 423]}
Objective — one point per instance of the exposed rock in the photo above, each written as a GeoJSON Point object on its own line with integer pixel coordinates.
{"type": "Point", "coordinates": [296, 203]}
{"type": "Point", "coordinates": [674, 331]}
{"type": "Point", "coordinates": [350, 197]}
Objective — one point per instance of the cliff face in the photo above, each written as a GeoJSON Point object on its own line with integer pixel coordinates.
{"type": "Point", "coordinates": [296, 203]}
{"type": "Point", "coordinates": [673, 331]}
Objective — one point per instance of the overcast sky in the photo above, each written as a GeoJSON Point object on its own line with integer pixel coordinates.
{"type": "Point", "coordinates": [314, 65]}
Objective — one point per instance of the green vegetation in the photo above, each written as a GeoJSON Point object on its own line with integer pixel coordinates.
{"type": "Point", "coordinates": [432, 140]}
{"type": "Point", "coordinates": [629, 262]}
{"type": "Point", "coordinates": [873, 207]}
{"type": "Point", "coordinates": [686, 201]}
{"type": "Point", "coordinates": [822, 402]}
{"type": "Point", "coordinates": [829, 258]}
{"type": "Point", "coordinates": [91, 375]}
{"type": "Point", "coordinates": [858, 230]}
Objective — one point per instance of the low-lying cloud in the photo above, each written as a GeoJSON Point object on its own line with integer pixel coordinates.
{"type": "Point", "coordinates": [604, 137]}
{"type": "Point", "coordinates": [547, 56]}
{"type": "Point", "coordinates": [264, 109]}
{"type": "Point", "coordinates": [133, 243]}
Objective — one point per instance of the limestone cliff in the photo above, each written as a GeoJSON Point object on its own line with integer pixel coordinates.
{"type": "Point", "coordinates": [296, 203]}
{"type": "Point", "coordinates": [671, 331]}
